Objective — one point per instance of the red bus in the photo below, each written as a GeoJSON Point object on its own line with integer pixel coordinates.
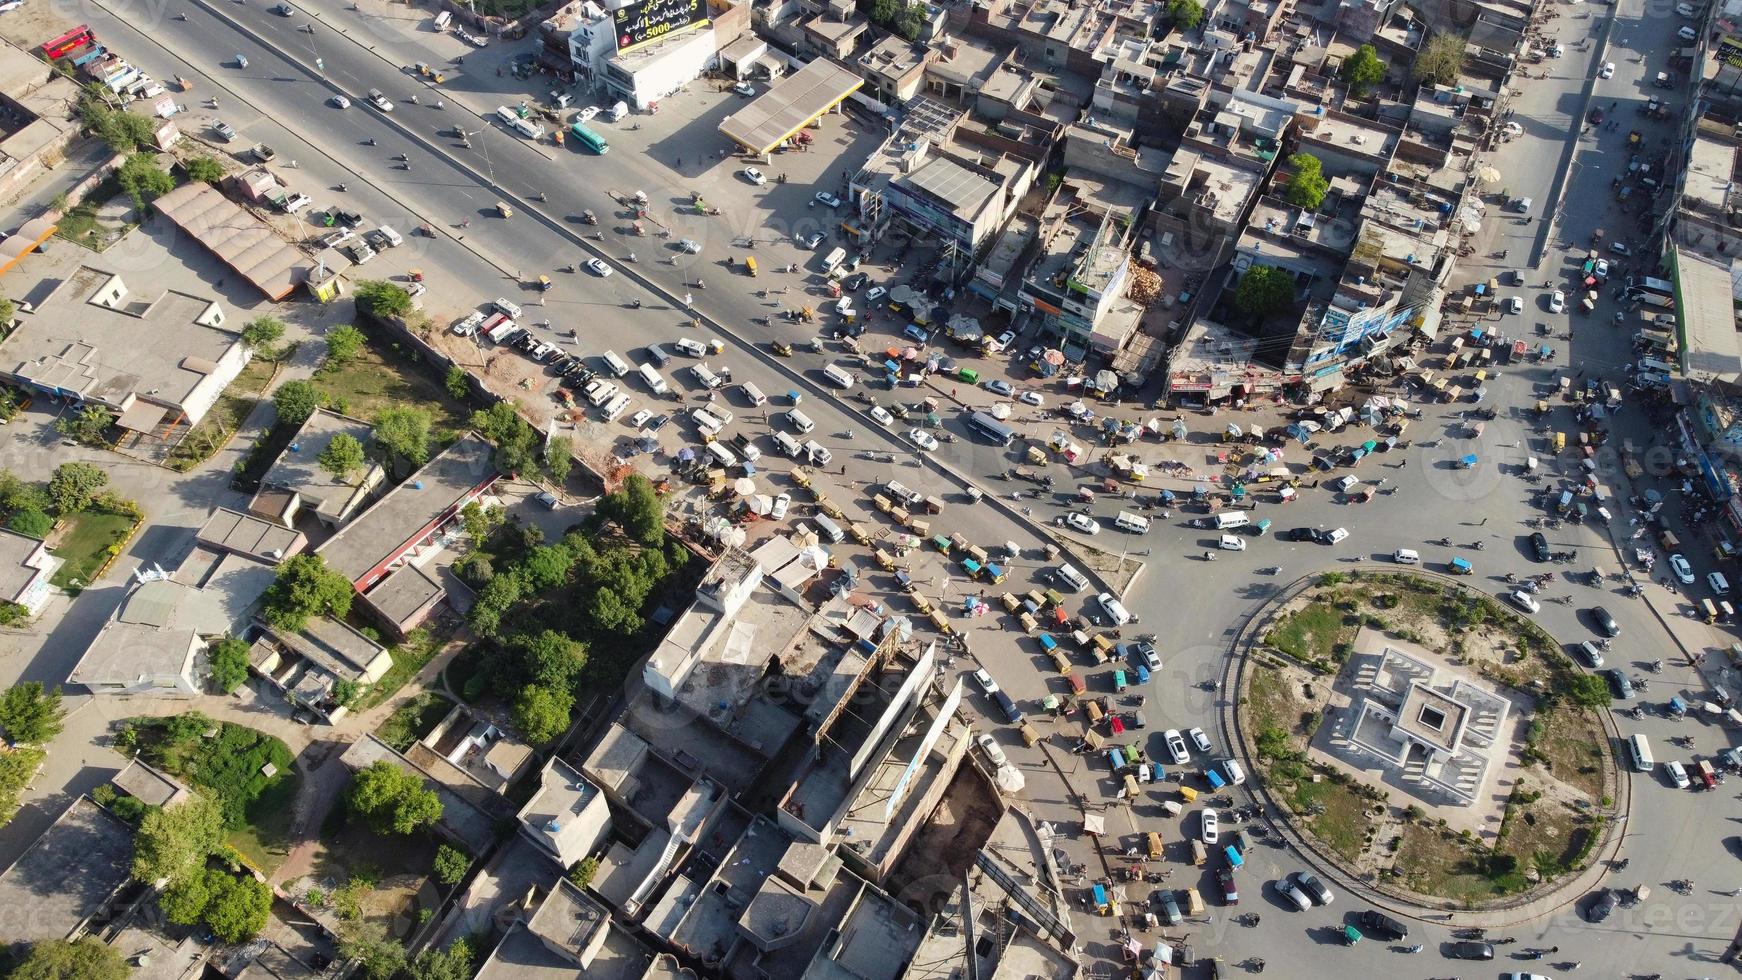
{"type": "Point", "coordinates": [69, 42]}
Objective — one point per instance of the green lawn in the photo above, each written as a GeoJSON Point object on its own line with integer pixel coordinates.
{"type": "Point", "coordinates": [1311, 633]}
{"type": "Point", "coordinates": [382, 377]}
{"type": "Point", "coordinates": [227, 764]}
{"type": "Point", "coordinates": [79, 224]}
{"type": "Point", "coordinates": [408, 658]}
{"type": "Point", "coordinates": [84, 546]}
{"type": "Point", "coordinates": [265, 840]}
{"type": "Point", "coordinates": [413, 720]}
{"type": "Point", "coordinates": [1343, 824]}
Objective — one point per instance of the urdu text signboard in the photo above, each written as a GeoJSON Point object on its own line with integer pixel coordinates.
{"type": "Point", "coordinates": [646, 21]}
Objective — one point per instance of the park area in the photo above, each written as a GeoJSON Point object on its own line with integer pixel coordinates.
{"type": "Point", "coordinates": [1324, 677]}
{"type": "Point", "coordinates": [87, 542]}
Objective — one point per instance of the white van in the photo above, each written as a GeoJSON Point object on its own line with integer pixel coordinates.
{"type": "Point", "coordinates": [1236, 774]}
{"type": "Point", "coordinates": [1404, 556]}
{"type": "Point", "coordinates": [1231, 518]}
{"type": "Point", "coordinates": [833, 260]}
{"type": "Point", "coordinates": [746, 448]}
{"type": "Point", "coordinates": [390, 236]}
{"type": "Point", "coordinates": [706, 421]}
{"type": "Point", "coordinates": [1128, 521]}
{"type": "Point", "coordinates": [507, 308]}
{"type": "Point", "coordinates": [829, 529]}
{"type": "Point", "coordinates": [616, 407]}
{"type": "Point", "coordinates": [1640, 748]}
{"type": "Point", "coordinates": [757, 398]}
{"type": "Point", "coordinates": [1719, 583]}
{"type": "Point", "coordinates": [837, 377]}
{"type": "Point", "coordinates": [707, 378]}
{"type": "Point", "coordinates": [527, 128]}
{"type": "Point", "coordinates": [1071, 577]}
{"type": "Point", "coordinates": [720, 454]}
{"type": "Point", "coordinates": [617, 111]}
{"type": "Point", "coordinates": [655, 383]}
{"type": "Point", "coordinates": [786, 444]}
{"type": "Point", "coordinates": [599, 391]}
{"type": "Point", "coordinates": [616, 365]}
{"type": "Point", "coordinates": [693, 348]}
{"type": "Point", "coordinates": [800, 421]}
{"type": "Point", "coordinates": [1114, 609]}
{"type": "Point", "coordinates": [817, 454]}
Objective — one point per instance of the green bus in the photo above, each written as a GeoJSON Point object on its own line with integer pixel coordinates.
{"type": "Point", "coordinates": [591, 140]}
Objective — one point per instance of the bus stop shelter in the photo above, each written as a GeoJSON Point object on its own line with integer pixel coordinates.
{"type": "Point", "coordinates": [792, 104]}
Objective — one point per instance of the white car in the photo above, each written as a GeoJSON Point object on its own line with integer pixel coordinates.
{"type": "Point", "coordinates": [598, 268]}
{"type": "Point", "coordinates": [1176, 746]}
{"type": "Point", "coordinates": [1620, 248]}
{"type": "Point", "coordinates": [754, 176]}
{"type": "Point", "coordinates": [989, 746]}
{"type": "Point", "coordinates": [297, 202]}
{"type": "Point", "coordinates": [640, 419]}
{"type": "Point", "coordinates": [1209, 826]}
{"type": "Point", "coordinates": [340, 102]}
{"type": "Point", "coordinates": [1515, 305]}
{"type": "Point", "coordinates": [1337, 536]}
{"type": "Point", "coordinates": [1684, 572]}
{"type": "Point", "coordinates": [1200, 740]}
{"type": "Point", "coordinates": [922, 439]}
{"type": "Point", "coordinates": [1083, 523]}
{"type": "Point", "coordinates": [825, 198]}
{"type": "Point", "coordinates": [1514, 129]}
{"type": "Point", "coordinates": [986, 682]}
{"type": "Point", "coordinates": [223, 129]}
{"type": "Point", "coordinates": [781, 503]}
{"type": "Point", "coordinates": [882, 415]}
{"type": "Point", "coordinates": [1034, 398]}
{"type": "Point", "coordinates": [874, 294]}
{"type": "Point", "coordinates": [1557, 302]}
{"type": "Point", "coordinates": [1607, 71]}
{"type": "Point", "coordinates": [811, 240]}
{"type": "Point", "coordinates": [1602, 268]}
{"type": "Point", "coordinates": [588, 113]}
{"type": "Point", "coordinates": [1677, 773]}
{"type": "Point", "coordinates": [1232, 542]}
{"type": "Point", "coordinates": [1525, 601]}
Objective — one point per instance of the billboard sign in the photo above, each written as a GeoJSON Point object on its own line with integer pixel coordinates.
{"type": "Point", "coordinates": [646, 21]}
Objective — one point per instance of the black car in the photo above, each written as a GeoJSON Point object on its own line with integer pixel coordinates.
{"type": "Point", "coordinates": [1169, 907]}
{"type": "Point", "coordinates": [1300, 534]}
{"type": "Point", "coordinates": [1600, 906]}
{"type": "Point", "coordinates": [1382, 925]}
{"type": "Point", "coordinates": [1605, 623]}
{"type": "Point", "coordinates": [346, 216]}
{"type": "Point", "coordinates": [1469, 951]}
{"type": "Point", "coordinates": [1618, 682]}
{"type": "Point", "coordinates": [855, 282]}
{"type": "Point", "coordinates": [1539, 546]}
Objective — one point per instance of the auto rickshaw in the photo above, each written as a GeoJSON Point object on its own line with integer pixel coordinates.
{"type": "Point", "coordinates": [781, 348]}
{"type": "Point", "coordinates": [589, 218]}
{"type": "Point", "coordinates": [503, 210]}
{"type": "Point", "coordinates": [544, 284]}
{"type": "Point", "coordinates": [1351, 935]}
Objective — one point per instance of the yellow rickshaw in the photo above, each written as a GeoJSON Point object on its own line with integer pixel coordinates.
{"type": "Point", "coordinates": [1027, 622]}
{"type": "Point", "coordinates": [884, 560]}
{"type": "Point", "coordinates": [1103, 649]}
{"type": "Point", "coordinates": [1035, 596]}
{"type": "Point", "coordinates": [1011, 603]}
{"type": "Point", "coordinates": [1092, 709]}
{"type": "Point", "coordinates": [883, 503]}
{"type": "Point", "coordinates": [1188, 794]}
{"type": "Point", "coordinates": [1560, 442]}
{"type": "Point", "coordinates": [750, 264]}
{"type": "Point", "coordinates": [921, 528]}
{"type": "Point", "coordinates": [920, 603]}
{"type": "Point", "coordinates": [939, 620]}
{"type": "Point", "coordinates": [504, 210]}
{"type": "Point", "coordinates": [858, 533]}
{"type": "Point", "coordinates": [801, 476]}
{"type": "Point", "coordinates": [1060, 663]}
{"type": "Point", "coordinates": [1029, 736]}
{"type": "Point", "coordinates": [1153, 840]}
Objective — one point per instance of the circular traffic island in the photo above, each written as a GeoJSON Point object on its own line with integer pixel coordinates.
{"type": "Point", "coordinates": [1425, 739]}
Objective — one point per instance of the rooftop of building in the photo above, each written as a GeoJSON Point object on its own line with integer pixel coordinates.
{"type": "Point", "coordinates": [1348, 134]}
{"type": "Point", "coordinates": [94, 335]}
{"type": "Point", "coordinates": [1332, 228]}
{"type": "Point", "coordinates": [148, 785]}
{"type": "Point", "coordinates": [769, 119]}
{"type": "Point", "coordinates": [152, 955]}
{"type": "Point", "coordinates": [67, 874]}
{"type": "Point", "coordinates": [875, 938]}
{"type": "Point", "coordinates": [1712, 172]}
{"type": "Point", "coordinates": [1211, 183]}
{"type": "Point", "coordinates": [893, 58]}
{"type": "Point", "coordinates": [868, 824]}
{"type": "Point", "coordinates": [524, 955]}
{"type": "Point", "coordinates": [1705, 290]}
{"type": "Point", "coordinates": [833, 30]}
{"type": "Point", "coordinates": [410, 508]}
{"type": "Point", "coordinates": [1219, 350]}
{"type": "Point", "coordinates": [329, 644]}
{"type": "Point", "coordinates": [1085, 246]}
{"type": "Point", "coordinates": [245, 534]}
{"type": "Point", "coordinates": [23, 559]}
{"type": "Point", "coordinates": [474, 828]}
{"type": "Point", "coordinates": [298, 468]}
{"type": "Point", "coordinates": [967, 60]}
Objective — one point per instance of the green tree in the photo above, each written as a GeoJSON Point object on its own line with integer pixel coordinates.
{"type": "Point", "coordinates": [184, 901]}
{"type": "Point", "coordinates": [31, 522]}
{"type": "Point", "coordinates": [450, 864]}
{"type": "Point", "coordinates": [559, 457]}
{"type": "Point", "coordinates": [553, 659]}
{"type": "Point", "coordinates": [382, 299]}
{"type": "Point", "coordinates": [305, 587]}
{"type": "Point", "coordinates": [884, 11]}
{"type": "Point", "coordinates": [546, 567]}
{"type": "Point", "coordinates": [262, 334]}
{"type": "Point", "coordinates": [297, 400]}
{"type": "Point", "coordinates": [87, 958]}
{"type": "Point", "coordinates": [1185, 14]}
{"type": "Point", "coordinates": [637, 508]}
{"type": "Point", "coordinates": [344, 343]}
{"type": "Point", "coordinates": [1363, 69]}
{"type": "Point", "coordinates": [378, 956]}
{"type": "Point", "coordinates": [17, 769]}
{"type": "Point", "coordinates": [31, 714]}
{"type": "Point", "coordinates": [581, 875]}
{"type": "Point", "coordinates": [403, 432]}
{"type": "Point", "coordinates": [177, 841]}
{"type": "Point", "coordinates": [911, 24]}
{"type": "Point", "coordinates": [453, 963]}
{"type": "Point", "coordinates": [204, 169]}
{"type": "Point", "coordinates": [1264, 289]}
{"type": "Point", "coordinates": [343, 456]}
{"type": "Point", "coordinates": [479, 521]}
{"type": "Point", "coordinates": [543, 712]}
{"type": "Point", "coordinates": [239, 905]}
{"type": "Point", "coordinates": [1307, 185]}
{"type": "Point", "coordinates": [143, 180]}
{"type": "Point", "coordinates": [458, 383]}
{"type": "Point", "coordinates": [1588, 690]}
{"type": "Point", "coordinates": [229, 658]}
{"type": "Point", "coordinates": [517, 448]}
{"type": "Point", "coordinates": [73, 486]}
{"type": "Point", "coordinates": [89, 426]}
{"type": "Point", "coordinates": [16, 494]}
{"type": "Point", "coordinates": [494, 600]}
{"type": "Point", "coordinates": [392, 800]}
{"type": "Point", "coordinates": [1440, 60]}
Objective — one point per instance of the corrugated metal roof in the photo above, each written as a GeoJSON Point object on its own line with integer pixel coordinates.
{"type": "Point", "coordinates": [793, 101]}
{"type": "Point", "coordinates": [244, 242]}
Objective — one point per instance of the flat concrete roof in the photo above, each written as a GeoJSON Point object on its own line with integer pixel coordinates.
{"type": "Point", "coordinates": [790, 105]}
{"type": "Point", "coordinates": [410, 508]}
{"type": "Point", "coordinates": [298, 469]}
{"type": "Point", "coordinates": [242, 241]}
{"type": "Point", "coordinates": [1712, 351]}
{"type": "Point", "coordinates": [147, 785]}
{"type": "Point", "coordinates": [67, 875]}
{"type": "Point", "coordinates": [244, 534]}
{"type": "Point", "coordinates": [22, 559]}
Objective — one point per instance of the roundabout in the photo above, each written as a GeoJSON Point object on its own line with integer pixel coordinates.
{"type": "Point", "coordinates": [1426, 745]}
